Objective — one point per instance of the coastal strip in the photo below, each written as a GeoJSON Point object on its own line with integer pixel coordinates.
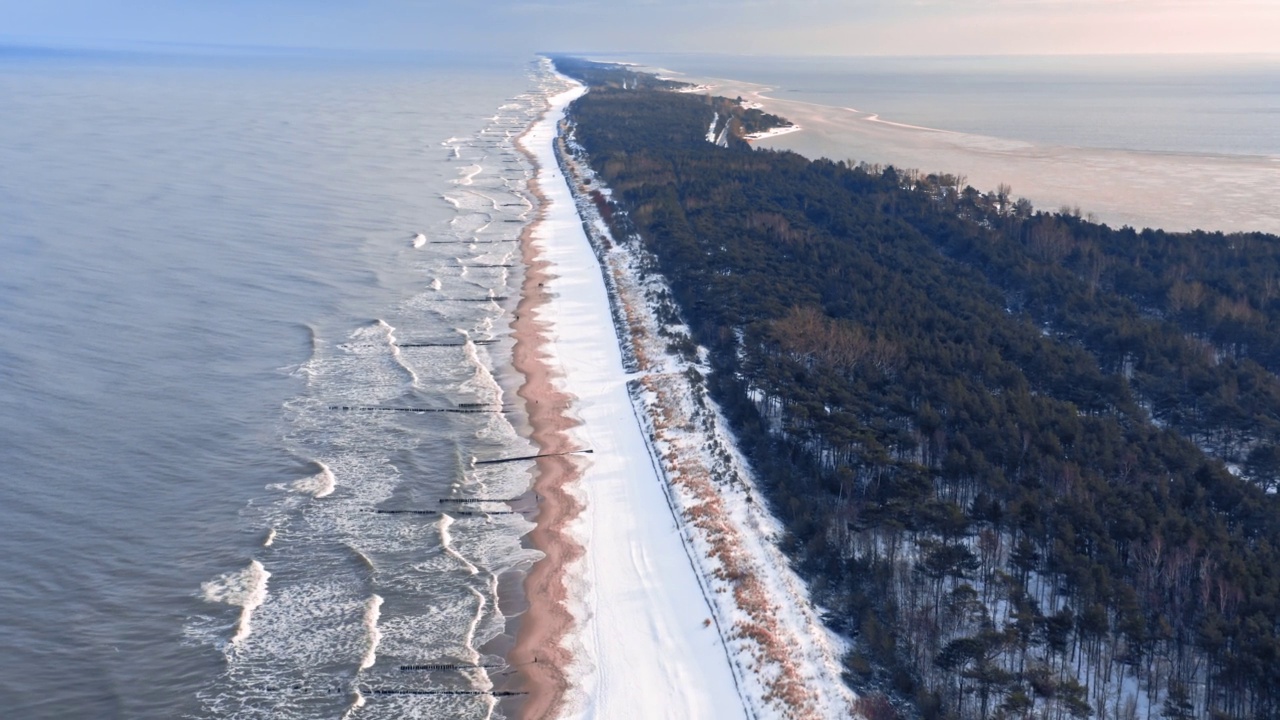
{"type": "Point", "coordinates": [642, 642]}
{"type": "Point", "coordinates": [539, 656]}
{"type": "Point", "coordinates": [785, 662]}
{"type": "Point", "coordinates": [1175, 191]}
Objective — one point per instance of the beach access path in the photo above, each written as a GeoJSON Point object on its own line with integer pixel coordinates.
{"type": "Point", "coordinates": [641, 645]}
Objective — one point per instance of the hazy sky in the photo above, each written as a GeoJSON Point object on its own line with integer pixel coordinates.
{"type": "Point", "coordinates": [833, 27]}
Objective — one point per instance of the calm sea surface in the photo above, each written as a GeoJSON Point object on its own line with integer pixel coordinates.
{"type": "Point", "coordinates": [199, 258]}
{"type": "Point", "coordinates": [1186, 104]}
{"type": "Point", "coordinates": [1177, 142]}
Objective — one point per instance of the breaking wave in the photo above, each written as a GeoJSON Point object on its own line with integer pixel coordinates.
{"type": "Point", "coordinates": [246, 588]}
{"type": "Point", "coordinates": [446, 544]}
{"type": "Point", "coordinates": [382, 572]}
{"type": "Point", "coordinates": [395, 351]}
{"type": "Point", "coordinates": [319, 485]}
{"type": "Point", "coordinates": [372, 611]}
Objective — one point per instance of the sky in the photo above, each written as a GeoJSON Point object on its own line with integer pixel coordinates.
{"type": "Point", "coordinates": [766, 27]}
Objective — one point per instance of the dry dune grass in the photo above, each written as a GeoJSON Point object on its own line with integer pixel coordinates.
{"type": "Point", "coordinates": [705, 510]}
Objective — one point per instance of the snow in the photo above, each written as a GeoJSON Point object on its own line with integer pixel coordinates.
{"type": "Point", "coordinates": [690, 608]}
{"type": "Point", "coordinates": [641, 648]}
{"type": "Point", "coordinates": [722, 140]}
{"type": "Point", "coordinates": [772, 132]}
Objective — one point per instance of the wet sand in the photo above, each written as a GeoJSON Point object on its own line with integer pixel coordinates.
{"type": "Point", "coordinates": [1174, 191]}
{"type": "Point", "coordinates": [538, 656]}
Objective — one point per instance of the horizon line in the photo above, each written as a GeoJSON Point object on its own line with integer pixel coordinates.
{"type": "Point", "coordinates": [159, 46]}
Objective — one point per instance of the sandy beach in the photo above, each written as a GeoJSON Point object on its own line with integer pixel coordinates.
{"type": "Point", "coordinates": [658, 584]}
{"type": "Point", "coordinates": [617, 618]}
{"type": "Point", "coordinates": [538, 654]}
{"type": "Point", "coordinates": [1173, 191]}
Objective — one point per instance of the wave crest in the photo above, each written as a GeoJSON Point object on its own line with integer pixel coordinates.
{"type": "Point", "coordinates": [319, 485]}
{"type": "Point", "coordinates": [246, 588]}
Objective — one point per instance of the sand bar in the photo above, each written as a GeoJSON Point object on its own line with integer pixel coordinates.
{"type": "Point", "coordinates": [1175, 191]}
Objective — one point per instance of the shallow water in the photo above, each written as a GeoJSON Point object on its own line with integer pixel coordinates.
{"type": "Point", "coordinates": [1178, 142]}
{"type": "Point", "coordinates": [203, 256]}
{"type": "Point", "coordinates": [1206, 104]}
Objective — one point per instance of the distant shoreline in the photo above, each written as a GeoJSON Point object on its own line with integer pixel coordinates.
{"type": "Point", "coordinates": [1141, 188]}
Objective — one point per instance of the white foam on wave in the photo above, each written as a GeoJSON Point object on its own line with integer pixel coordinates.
{"type": "Point", "coordinates": [365, 560]}
{"type": "Point", "coordinates": [319, 485]}
{"type": "Point", "coordinates": [372, 611]}
{"type": "Point", "coordinates": [481, 382]}
{"type": "Point", "coordinates": [470, 639]}
{"type": "Point", "coordinates": [469, 177]}
{"type": "Point", "coordinates": [470, 222]}
{"type": "Point", "coordinates": [446, 544]}
{"type": "Point", "coordinates": [356, 704]}
{"type": "Point", "coordinates": [369, 369]}
{"type": "Point", "coordinates": [321, 624]}
{"type": "Point", "coordinates": [455, 146]}
{"type": "Point", "coordinates": [493, 203]}
{"type": "Point", "coordinates": [308, 369]}
{"type": "Point", "coordinates": [246, 588]}
{"type": "Point", "coordinates": [395, 352]}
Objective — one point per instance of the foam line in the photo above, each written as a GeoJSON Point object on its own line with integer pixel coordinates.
{"type": "Point", "coordinates": [372, 613]}
{"type": "Point", "coordinates": [246, 588]}
{"type": "Point", "coordinates": [446, 543]}
{"type": "Point", "coordinates": [395, 352]}
{"type": "Point", "coordinates": [319, 485]}
{"type": "Point", "coordinates": [470, 641]}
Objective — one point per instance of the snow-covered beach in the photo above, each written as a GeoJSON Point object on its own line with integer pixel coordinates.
{"type": "Point", "coordinates": [660, 627]}
{"type": "Point", "coordinates": [640, 649]}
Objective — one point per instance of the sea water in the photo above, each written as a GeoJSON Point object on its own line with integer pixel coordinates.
{"type": "Point", "coordinates": [205, 258]}
{"type": "Point", "coordinates": [1173, 141]}
{"type": "Point", "coordinates": [1161, 103]}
